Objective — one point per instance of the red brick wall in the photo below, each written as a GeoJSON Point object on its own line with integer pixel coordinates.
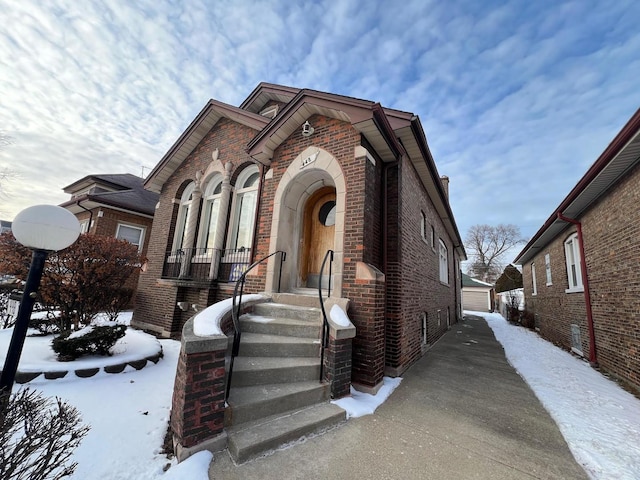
{"type": "Point", "coordinates": [155, 303]}
{"type": "Point", "coordinates": [413, 284]}
{"type": "Point", "coordinates": [611, 232]}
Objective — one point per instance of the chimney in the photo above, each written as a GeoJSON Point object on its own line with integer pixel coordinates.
{"type": "Point", "coordinates": [445, 185]}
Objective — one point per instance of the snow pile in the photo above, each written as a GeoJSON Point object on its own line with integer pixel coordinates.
{"type": "Point", "coordinates": [207, 322]}
{"type": "Point", "coordinates": [38, 356]}
{"type": "Point", "coordinates": [339, 316]}
{"type": "Point", "coordinates": [599, 420]}
{"type": "Point", "coordinates": [360, 404]}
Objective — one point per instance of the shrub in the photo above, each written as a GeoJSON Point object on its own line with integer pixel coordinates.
{"type": "Point", "coordinates": [80, 281]}
{"type": "Point", "coordinates": [528, 320]}
{"type": "Point", "coordinates": [38, 437]}
{"type": "Point", "coordinates": [89, 341]}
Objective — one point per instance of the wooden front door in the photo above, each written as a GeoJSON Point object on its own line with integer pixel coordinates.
{"type": "Point", "coordinates": [319, 232]}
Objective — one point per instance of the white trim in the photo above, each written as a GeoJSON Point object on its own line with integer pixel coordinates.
{"type": "Point", "coordinates": [443, 263]}
{"type": "Point", "coordinates": [134, 227]}
{"type": "Point", "coordinates": [237, 205]}
{"type": "Point", "coordinates": [209, 197]}
{"type": "Point", "coordinates": [573, 263]}
{"type": "Point", "coordinates": [547, 269]}
{"type": "Point", "coordinates": [534, 284]}
{"type": "Point", "coordinates": [182, 218]}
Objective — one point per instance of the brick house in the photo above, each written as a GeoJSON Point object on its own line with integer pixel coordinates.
{"type": "Point", "coordinates": [305, 172]}
{"type": "Point", "coordinates": [580, 268]}
{"type": "Point", "coordinates": [115, 205]}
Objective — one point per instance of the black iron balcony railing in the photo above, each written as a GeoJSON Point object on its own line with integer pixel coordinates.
{"type": "Point", "coordinates": [206, 264]}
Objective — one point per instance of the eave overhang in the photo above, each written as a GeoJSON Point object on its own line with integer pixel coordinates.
{"type": "Point", "coordinates": [410, 133]}
{"type": "Point", "coordinates": [365, 116]}
{"type": "Point", "coordinates": [90, 202]}
{"type": "Point", "coordinates": [195, 132]}
{"type": "Point", "coordinates": [622, 154]}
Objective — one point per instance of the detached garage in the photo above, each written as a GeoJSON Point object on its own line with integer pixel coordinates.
{"type": "Point", "coordinates": [476, 295]}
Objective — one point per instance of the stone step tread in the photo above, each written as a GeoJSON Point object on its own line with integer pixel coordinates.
{"type": "Point", "coordinates": [272, 309]}
{"type": "Point", "coordinates": [254, 438]}
{"type": "Point", "coordinates": [250, 337]}
{"type": "Point", "coordinates": [288, 306]}
{"type": "Point", "coordinates": [242, 396]}
{"type": "Point", "coordinates": [254, 318]}
{"type": "Point", "coordinates": [258, 363]}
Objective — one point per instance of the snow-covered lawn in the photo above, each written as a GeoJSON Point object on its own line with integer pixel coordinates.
{"type": "Point", "coordinates": [599, 420]}
{"type": "Point", "coordinates": [128, 412]}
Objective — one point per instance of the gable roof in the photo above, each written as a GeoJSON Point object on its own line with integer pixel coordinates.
{"type": "Point", "coordinates": [391, 133]}
{"type": "Point", "coordinates": [622, 154]}
{"type": "Point", "coordinates": [195, 132]}
{"type": "Point", "coordinates": [127, 193]}
{"type": "Point", "coordinates": [468, 281]}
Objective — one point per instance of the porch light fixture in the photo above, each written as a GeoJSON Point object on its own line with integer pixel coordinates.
{"type": "Point", "coordinates": [43, 229]}
{"type": "Point", "coordinates": [307, 129]}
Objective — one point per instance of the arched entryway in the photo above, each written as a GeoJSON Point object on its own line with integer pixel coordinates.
{"type": "Point", "coordinates": [308, 219]}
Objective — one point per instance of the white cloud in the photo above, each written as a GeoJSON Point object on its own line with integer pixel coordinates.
{"type": "Point", "coordinates": [516, 99]}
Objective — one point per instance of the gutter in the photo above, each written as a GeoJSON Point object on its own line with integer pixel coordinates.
{"type": "Point", "coordinates": [593, 360]}
{"type": "Point", "coordinates": [90, 215]}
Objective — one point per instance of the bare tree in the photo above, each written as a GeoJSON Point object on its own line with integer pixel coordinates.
{"type": "Point", "coordinates": [5, 173]}
{"type": "Point", "coordinates": [487, 245]}
{"type": "Point", "coordinates": [38, 436]}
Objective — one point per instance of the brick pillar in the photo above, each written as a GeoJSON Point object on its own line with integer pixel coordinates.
{"type": "Point", "coordinates": [337, 365]}
{"type": "Point", "coordinates": [368, 316]}
{"type": "Point", "coordinates": [197, 408]}
{"type": "Point", "coordinates": [338, 354]}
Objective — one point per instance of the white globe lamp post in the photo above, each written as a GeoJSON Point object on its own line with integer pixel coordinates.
{"type": "Point", "coordinates": [43, 229]}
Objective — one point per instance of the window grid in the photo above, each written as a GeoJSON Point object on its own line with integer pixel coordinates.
{"type": "Point", "coordinates": [574, 271]}
{"type": "Point", "coordinates": [444, 263]}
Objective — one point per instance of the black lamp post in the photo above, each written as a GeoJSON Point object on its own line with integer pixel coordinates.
{"type": "Point", "coordinates": [44, 229]}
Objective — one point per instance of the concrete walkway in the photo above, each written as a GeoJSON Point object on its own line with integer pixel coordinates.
{"type": "Point", "coordinates": [461, 412]}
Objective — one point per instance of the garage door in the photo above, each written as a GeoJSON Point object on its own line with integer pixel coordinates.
{"type": "Point", "coordinates": [478, 301]}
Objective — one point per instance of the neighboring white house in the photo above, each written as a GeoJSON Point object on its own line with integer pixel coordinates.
{"type": "Point", "coordinates": [476, 295]}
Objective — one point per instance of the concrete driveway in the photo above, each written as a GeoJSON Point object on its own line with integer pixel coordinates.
{"type": "Point", "coordinates": [461, 412]}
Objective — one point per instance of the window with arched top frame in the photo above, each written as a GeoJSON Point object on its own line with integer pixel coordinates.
{"type": "Point", "coordinates": [210, 212]}
{"type": "Point", "coordinates": [244, 208]}
{"type": "Point", "coordinates": [186, 204]}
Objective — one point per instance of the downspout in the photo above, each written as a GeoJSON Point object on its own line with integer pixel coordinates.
{"type": "Point", "coordinates": [593, 360]}
{"type": "Point", "coordinates": [90, 215]}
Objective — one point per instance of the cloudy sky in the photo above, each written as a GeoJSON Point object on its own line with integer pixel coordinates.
{"type": "Point", "coordinates": [517, 97]}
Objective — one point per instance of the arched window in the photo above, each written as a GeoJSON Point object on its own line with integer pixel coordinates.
{"type": "Point", "coordinates": [211, 211]}
{"type": "Point", "coordinates": [244, 208]}
{"type": "Point", "coordinates": [183, 216]}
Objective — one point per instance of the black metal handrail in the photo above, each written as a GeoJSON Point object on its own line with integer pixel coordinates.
{"type": "Point", "coordinates": [325, 322]}
{"type": "Point", "coordinates": [235, 311]}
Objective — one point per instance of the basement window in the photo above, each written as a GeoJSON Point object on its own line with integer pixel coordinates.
{"type": "Point", "coordinates": [576, 340]}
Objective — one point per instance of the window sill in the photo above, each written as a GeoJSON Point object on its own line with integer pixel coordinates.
{"type": "Point", "coordinates": [444, 283]}
{"type": "Point", "coordinates": [574, 290]}
{"type": "Point", "coordinates": [549, 284]}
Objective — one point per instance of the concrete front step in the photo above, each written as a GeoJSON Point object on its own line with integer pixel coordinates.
{"type": "Point", "coordinates": [280, 326]}
{"type": "Point", "coordinates": [248, 371]}
{"type": "Point", "coordinates": [247, 404]}
{"type": "Point", "coordinates": [307, 297]}
{"type": "Point", "coordinates": [249, 440]}
{"type": "Point", "coordinates": [264, 345]}
{"type": "Point", "coordinates": [281, 310]}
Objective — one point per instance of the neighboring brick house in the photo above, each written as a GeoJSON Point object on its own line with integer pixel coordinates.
{"type": "Point", "coordinates": [114, 205]}
{"type": "Point", "coordinates": [580, 269]}
{"type": "Point", "coordinates": [477, 295]}
{"type": "Point", "coordinates": [303, 171]}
